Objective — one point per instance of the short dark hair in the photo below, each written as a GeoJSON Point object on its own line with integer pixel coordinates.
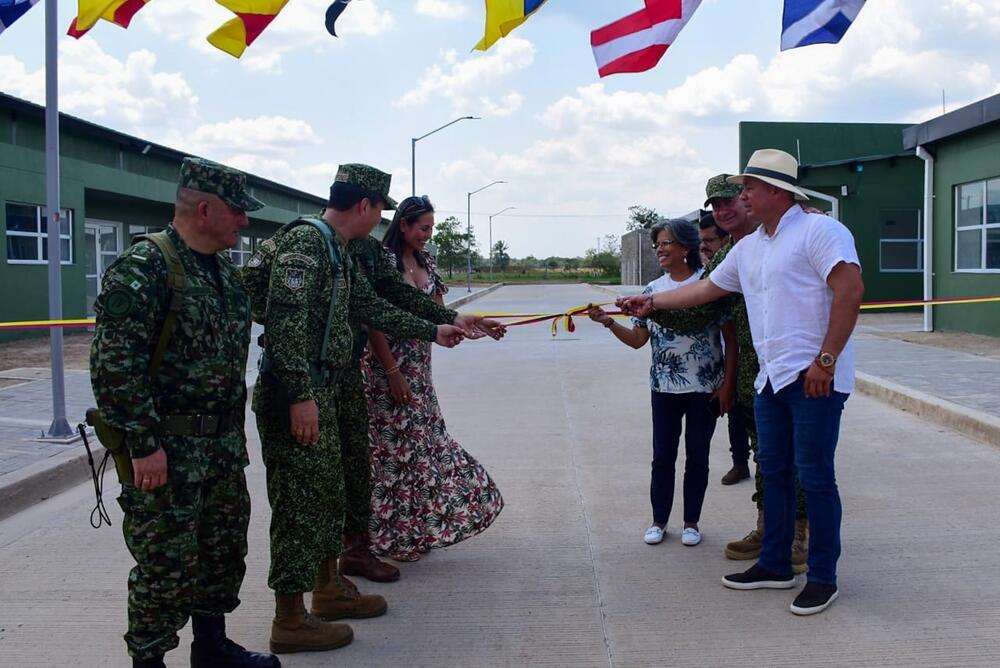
{"type": "Point", "coordinates": [343, 196]}
{"type": "Point", "coordinates": [707, 220]}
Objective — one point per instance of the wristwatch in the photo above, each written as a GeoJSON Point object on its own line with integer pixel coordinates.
{"type": "Point", "coordinates": [826, 360]}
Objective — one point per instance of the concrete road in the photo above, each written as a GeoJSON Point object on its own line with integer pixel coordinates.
{"type": "Point", "coordinates": [563, 577]}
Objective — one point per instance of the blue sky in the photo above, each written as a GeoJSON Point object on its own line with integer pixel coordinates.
{"type": "Point", "coordinates": [576, 150]}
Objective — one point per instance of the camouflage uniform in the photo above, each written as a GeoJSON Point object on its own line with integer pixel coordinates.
{"type": "Point", "coordinates": [306, 483]}
{"type": "Point", "coordinates": [371, 260]}
{"type": "Point", "coordinates": [188, 537]}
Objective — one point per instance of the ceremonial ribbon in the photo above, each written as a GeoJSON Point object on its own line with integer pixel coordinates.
{"type": "Point", "coordinates": [565, 317]}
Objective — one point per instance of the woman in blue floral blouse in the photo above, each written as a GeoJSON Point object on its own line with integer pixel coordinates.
{"type": "Point", "coordinates": [687, 379]}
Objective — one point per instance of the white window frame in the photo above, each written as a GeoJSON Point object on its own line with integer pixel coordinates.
{"type": "Point", "coordinates": [919, 240]}
{"type": "Point", "coordinates": [983, 227]}
{"type": "Point", "coordinates": [239, 256]}
{"type": "Point", "coordinates": [41, 238]}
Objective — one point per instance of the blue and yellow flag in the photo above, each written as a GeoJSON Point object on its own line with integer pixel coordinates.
{"type": "Point", "coordinates": [502, 16]}
{"type": "Point", "coordinates": [12, 10]}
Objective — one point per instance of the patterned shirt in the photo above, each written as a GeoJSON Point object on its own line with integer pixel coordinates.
{"type": "Point", "coordinates": [688, 362]}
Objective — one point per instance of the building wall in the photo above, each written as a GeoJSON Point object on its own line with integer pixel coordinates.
{"type": "Point", "coordinates": [639, 265]}
{"type": "Point", "coordinates": [971, 157]}
{"type": "Point", "coordinates": [100, 179]}
{"type": "Point", "coordinates": [881, 185]}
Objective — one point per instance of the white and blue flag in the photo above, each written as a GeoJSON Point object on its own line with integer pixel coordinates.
{"type": "Point", "coordinates": [806, 22]}
{"type": "Point", "coordinates": [12, 10]}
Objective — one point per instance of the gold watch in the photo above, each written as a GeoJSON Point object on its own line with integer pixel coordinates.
{"type": "Point", "coordinates": [826, 360]}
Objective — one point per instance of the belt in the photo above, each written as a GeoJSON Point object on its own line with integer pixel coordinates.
{"type": "Point", "coordinates": [198, 424]}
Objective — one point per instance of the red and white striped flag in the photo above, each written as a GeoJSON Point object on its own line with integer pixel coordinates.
{"type": "Point", "coordinates": [637, 42]}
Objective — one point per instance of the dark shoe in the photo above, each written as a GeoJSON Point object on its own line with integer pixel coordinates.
{"type": "Point", "coordinates": [155, 662]}
{"type": "Point", "coordinates": [212, 649]}
{"type": "Point", "coordinates": [358, 560]}
{"type": "Point", "coordinates": [814, 597]}
{"type": "Point", "coordinates": [736, 474]}
{"type": "Point", "coordinates": [756, 577]}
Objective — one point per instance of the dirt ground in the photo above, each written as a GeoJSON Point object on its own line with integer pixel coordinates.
{"type": "Point", "coordinates": [35, 352]}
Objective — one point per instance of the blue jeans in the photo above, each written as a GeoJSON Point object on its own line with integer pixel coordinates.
{"type": "Point", "coordinates": [798, 433]}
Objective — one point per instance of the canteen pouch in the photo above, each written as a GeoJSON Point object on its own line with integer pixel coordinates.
{"type": "Point", "coordinates": [114, 441]}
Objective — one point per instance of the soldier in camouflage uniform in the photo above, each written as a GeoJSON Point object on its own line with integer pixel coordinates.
{"type": "Point", "coordinates": [731, 215]}
{"type": "Point", "coordinates": [297, 400]}
{"type": "Point", "coordinates": [187, 507]}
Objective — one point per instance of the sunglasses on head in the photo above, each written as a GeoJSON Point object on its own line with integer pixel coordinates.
{"type": "Point", "coordinates": [414, 205]}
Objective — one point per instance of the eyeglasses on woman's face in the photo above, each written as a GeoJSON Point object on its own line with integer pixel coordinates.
{"type": "Point", "coordinates": [665, 244]}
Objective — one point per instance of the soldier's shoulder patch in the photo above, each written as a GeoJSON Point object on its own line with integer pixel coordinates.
{"type": "Point", "coordinates": [295, 278]}
{"type": "Point", "coordinates": [119, 303]}
{"type": "Point", "coordinates": [255, 261]}
{"type": "Point", "coordinates": [297, 258]}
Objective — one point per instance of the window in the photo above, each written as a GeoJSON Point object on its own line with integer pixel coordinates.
{"type": "Point", "coordinates": [27, 234]}
{"type": "Point", "coordinates": [977, 226]}
{"type": "Point", "coordinates": [241, 253]}
{"type": "Point", "coordinates": [901, 244]}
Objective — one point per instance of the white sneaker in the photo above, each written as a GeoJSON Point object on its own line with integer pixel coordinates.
{"type": "Point", "coordinates": [654, 535]}
{"type": "Point", "coordinates": [691, 536]}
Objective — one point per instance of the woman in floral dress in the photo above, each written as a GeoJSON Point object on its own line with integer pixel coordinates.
{"type": "Point", "coordinates": [427, 491]}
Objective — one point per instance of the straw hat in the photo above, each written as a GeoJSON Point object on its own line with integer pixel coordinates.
{"type": "Point", "coordinates": [775, 167]}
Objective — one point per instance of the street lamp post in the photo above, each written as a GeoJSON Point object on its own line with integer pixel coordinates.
{"type": "Point", "coordinates": [413, 149]}
{"type": "Point", "coordinates": [468, 229]}
{"type": "Point", "coordinates": [491, 236]}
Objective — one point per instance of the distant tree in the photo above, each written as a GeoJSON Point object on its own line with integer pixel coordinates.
{"type": "Point", "coordinates": [552, 263]}
{"type": "Point", "coordinates": [571, 263]}
{"type": "Point", "coordinates": [452, 243]}
{"type": "Point", "coordinates": [501, 258]}
{"type": "Point", "coordinates": [640, 217]}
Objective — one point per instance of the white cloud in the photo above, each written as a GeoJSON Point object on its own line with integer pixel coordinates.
{"type": "Point", "coordinates": [129, 95]}
{"type": "Point", "coordinates": [442, 9]}
{"type": "Point", "coordinates": [467, 82]}
{"type": "Point", "coordinates": [263, 136]}
{"type": "Point", "coordinates": [310, 178]}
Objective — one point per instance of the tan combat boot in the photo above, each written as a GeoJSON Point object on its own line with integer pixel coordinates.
{"type": "Point", "coordinates": [800, 547]}
{"type": "Point", "coordinates": [749, 546]}
{"type": "Point", "coordinates": [295, 630]}
{"type": "Point", "coordinates": [336, 597]}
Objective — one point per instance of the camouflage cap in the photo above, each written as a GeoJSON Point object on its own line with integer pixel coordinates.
{"type": "Point", "coordinates": [718, 186]}
{"type": "Point", "coordinates": [369, 179]}
{"type": "Point", "coordinates": [210, 177]}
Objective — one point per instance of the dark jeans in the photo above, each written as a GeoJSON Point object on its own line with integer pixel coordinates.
{"type": "Point", "coordinates": [739, 436]}
{"type": "Point", "coordinates": [798, 433]}
{"type": "Point", "coordinates": [699, 425]}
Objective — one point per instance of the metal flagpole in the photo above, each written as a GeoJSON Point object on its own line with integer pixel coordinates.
{"type": "Point", "coordinates": [60, 427]}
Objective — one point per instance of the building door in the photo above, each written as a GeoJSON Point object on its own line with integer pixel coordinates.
{"type": "Point", "coordinates": [104, 244]}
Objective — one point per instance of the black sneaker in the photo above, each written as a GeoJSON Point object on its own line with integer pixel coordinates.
{"type": "Point", "coordinates": [756, 577]}
{"type": "Point", "coordinates": [814, 597]}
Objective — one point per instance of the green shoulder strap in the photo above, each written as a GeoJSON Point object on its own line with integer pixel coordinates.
{"type": "Point", "coordinates": [333, 249]}
{"type": "Point", "coordinates": [177, 282]}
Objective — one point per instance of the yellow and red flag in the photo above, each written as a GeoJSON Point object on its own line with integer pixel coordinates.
{"type": "Point", "coordinates": [252, 17]}
{"type": "Point", "coordinates": [119, 12]}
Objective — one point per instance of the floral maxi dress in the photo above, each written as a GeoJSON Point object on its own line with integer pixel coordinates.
{"type": "Point", "coordinates": [427, 491]}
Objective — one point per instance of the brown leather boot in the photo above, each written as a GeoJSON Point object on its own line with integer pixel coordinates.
{"type": "Point", "coordinates": [800, 547]}
{"type": "Point", "coordinates": [295, 630]}
{"type": "Point", "coordinates": [749, 546]}
{"type": "Point", "coordinates": [358, 560]}
{"type": "Point", "coordinates": [336, 597]}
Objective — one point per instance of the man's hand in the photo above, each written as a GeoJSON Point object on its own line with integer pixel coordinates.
{"type": "Point", "coordinates": [448, 336]}
{"type": "Point", "coordinates": [492, 328]}
{"type": "Point", "coordinates": [304, 417]}
{"type": "Point", "coordinates": [819, 381]}
{"type": "Point", "coordinates": [469, 326]}
{"type": "Point", "coordinates": [150, 472]}
{"type": "Point", "coordinates": [726, 395]}
{"type": "Point", "coordinates": [639, 305]}
{"type": "Point", "coordinates": [597, 314]}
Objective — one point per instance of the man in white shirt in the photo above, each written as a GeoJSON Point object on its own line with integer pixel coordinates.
{"type": "Point", "coordinates": [801, 278]}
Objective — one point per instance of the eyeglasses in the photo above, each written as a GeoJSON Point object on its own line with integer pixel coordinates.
{"type": "Point", "coordinates": [663, 244]}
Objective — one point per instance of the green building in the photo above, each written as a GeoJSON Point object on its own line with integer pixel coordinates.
{"type": "Point", "coordinates": [113, 186]}
{"type": "Point", "coordinates": [861, 174]}
{"type": "Point", "coordinates": [961, 150]}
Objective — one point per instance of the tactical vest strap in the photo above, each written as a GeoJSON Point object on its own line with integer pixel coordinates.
{"type": "Point", "coordinates": [177, 282]}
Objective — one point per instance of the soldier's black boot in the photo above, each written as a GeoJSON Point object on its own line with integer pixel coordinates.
{"type": "Point", "coordinates": [212, 649]}
{"type": "Point", "coordinates": [155, 662]}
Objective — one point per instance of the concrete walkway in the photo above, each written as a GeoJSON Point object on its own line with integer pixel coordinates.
{"type": "Point", "coordinates": [563, 578]}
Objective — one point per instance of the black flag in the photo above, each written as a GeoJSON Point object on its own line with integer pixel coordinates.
{"type": "Point", "coordinates": [333, 13]}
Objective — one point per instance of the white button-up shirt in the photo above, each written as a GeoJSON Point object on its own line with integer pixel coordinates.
{"type": "Point", "coordinates": [783, 278]}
